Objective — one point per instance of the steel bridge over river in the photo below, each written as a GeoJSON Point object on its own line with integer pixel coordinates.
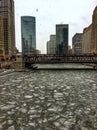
{"type": "Point", "coordinates": [44, 58]}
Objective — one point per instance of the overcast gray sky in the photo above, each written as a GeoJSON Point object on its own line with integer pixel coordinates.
{"type": "Point", "coordinates": [48, 13]}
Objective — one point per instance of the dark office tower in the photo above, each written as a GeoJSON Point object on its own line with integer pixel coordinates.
{"type": "Point", "coordinates": [7, 30]}
{"type": "Point", "coordinates": [28, 32]}
{"type": "Point", "coordinates": [62, 39]}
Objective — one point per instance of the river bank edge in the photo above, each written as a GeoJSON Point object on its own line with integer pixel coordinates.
{"type": "Point", "coordinates": [8, 71]}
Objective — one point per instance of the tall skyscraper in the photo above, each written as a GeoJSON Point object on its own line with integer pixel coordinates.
{"type": "Point", "coordinates": [62, 38]}
{"type": "Point", "coordinates": [1, 38]}
{"type": "Point", "coordinates": [28, 34]}
{"type": "Point", "coordinates": [94, 31]}
{"type": "Point", "coordinates": [7, 28]}
{"type": "Point", "coordinates": [77, 43]}
{"type": "Point", "coordinates": [51, 45]}
{"type": "Point", "coordinates": [89, 41]}
{"type": "Point", "coordinates": [87, 44]}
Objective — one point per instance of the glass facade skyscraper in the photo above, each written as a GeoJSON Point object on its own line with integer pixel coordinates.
{"type": "Point", "coordinates": [62, 38]}
{"type": "Point", "coordinates": [28, 34]}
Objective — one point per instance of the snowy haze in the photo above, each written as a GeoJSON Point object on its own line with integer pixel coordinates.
{"type": "Point", "coordinates": [48, 13]}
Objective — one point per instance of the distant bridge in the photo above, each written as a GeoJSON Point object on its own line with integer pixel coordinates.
{"type": "Point", "coordinates": [50, 59]}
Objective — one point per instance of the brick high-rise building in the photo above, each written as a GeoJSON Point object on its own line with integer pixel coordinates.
{"type": "Point", "coordinates": [77, 43]}
{"type": "Point", "coordinates": [1, 38]}
{"type": "Point", "coordinates": [7, 28]}
{"type": "Point", "coordinates": [94, 31]}
{"type": "Point", "coordinates": [51, 45]}
{"type": "Point", "coordinates": [89, 41]}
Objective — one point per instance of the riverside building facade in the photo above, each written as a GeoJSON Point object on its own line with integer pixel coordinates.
{"type": "Point", "coordinates": [28, 34]}
{"type": "Point", "coordinates": [51, 45]}
{"type": "Point", "coordinates": [89, 41]}
{"type": "Point", "coordinates": [77, 44]}
{"type": "Point", "coordinates": [62, 38]}
{"type": "Point", "coordinates": [7, 29]}
{"type": "Point", "coordinates": [1, 38]}
{"type": "Point", "coordinates": [94, 31]}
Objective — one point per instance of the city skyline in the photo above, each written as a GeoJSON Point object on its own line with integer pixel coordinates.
{"type": "Point", "coordinates": [49, 13]}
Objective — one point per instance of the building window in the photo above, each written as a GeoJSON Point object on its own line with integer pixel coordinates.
{"type": "Point", "coordinates": [0, 2]}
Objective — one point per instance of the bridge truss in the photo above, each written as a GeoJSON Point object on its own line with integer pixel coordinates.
{"type": "Point", "coordinates": [44, 58]}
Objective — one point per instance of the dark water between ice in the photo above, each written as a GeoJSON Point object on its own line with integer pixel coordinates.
{"type": "Point", "coordinates": [49, 100]}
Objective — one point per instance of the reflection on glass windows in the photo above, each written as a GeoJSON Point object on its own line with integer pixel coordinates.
{"type": "Point", "coordinates": [28, 32]}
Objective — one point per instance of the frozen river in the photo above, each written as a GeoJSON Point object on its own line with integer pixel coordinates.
{"type": "Point", "coordinates": [49, 100]}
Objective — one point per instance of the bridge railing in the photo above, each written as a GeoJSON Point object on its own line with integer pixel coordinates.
{"type": "Point", "coordinates": [43, 58]}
